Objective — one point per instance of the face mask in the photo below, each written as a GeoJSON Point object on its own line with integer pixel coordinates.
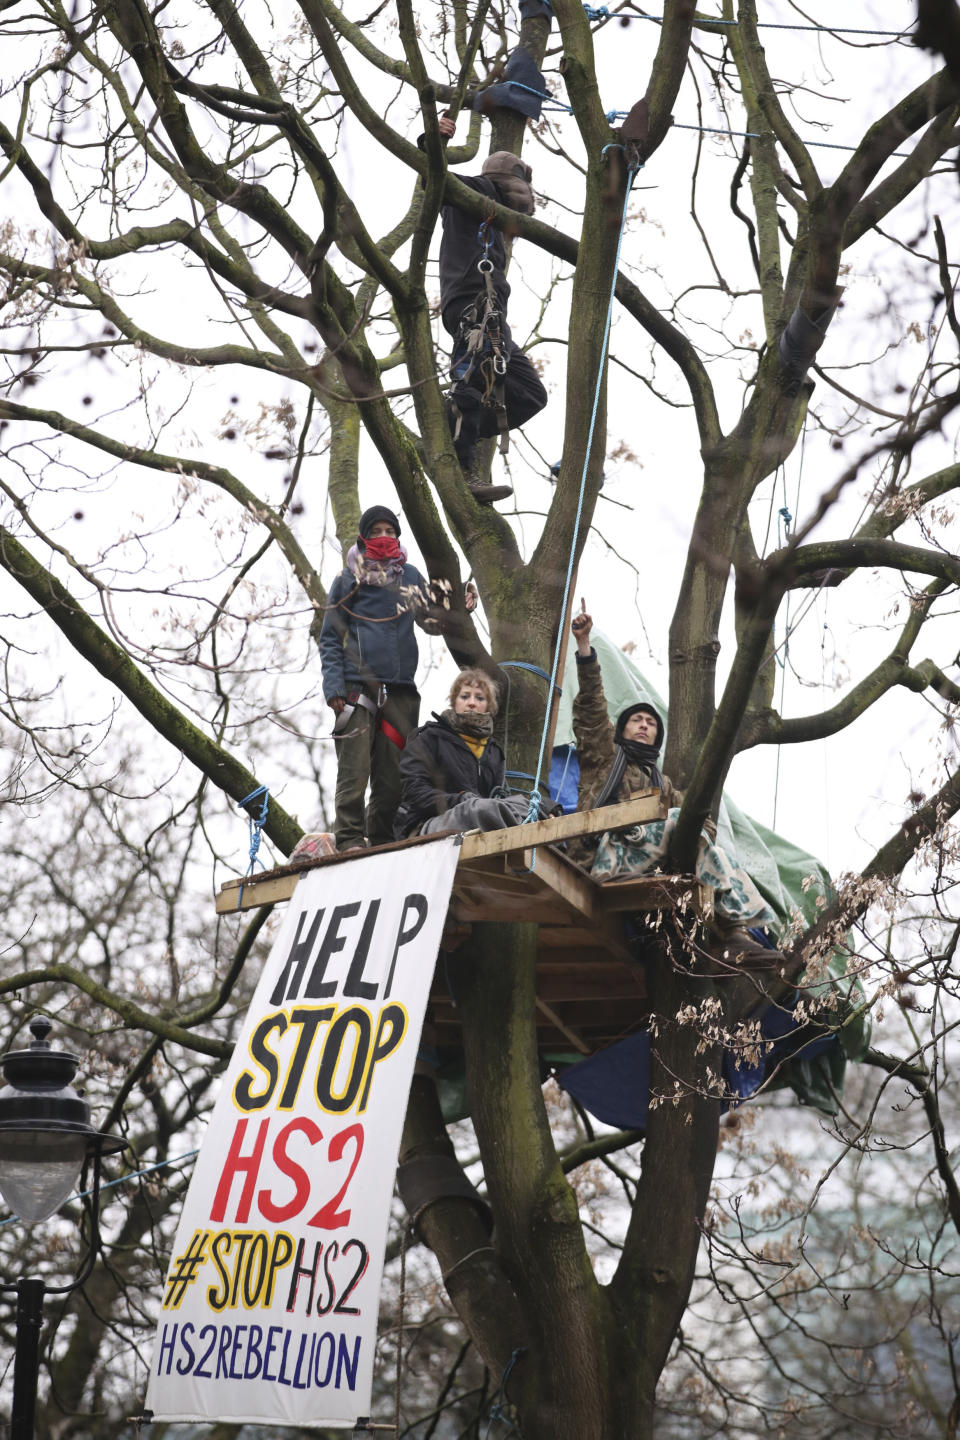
{"type": "Point", "coordinates": [383, 547]}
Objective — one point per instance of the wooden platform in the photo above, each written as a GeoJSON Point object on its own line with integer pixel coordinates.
{"type": "Point", "coordinates": [590, 988]}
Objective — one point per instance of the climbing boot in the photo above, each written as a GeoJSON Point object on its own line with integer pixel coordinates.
{"type": "Point", "coordinates": [482, 491]}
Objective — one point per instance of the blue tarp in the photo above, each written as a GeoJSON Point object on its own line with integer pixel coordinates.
{"type": "Point", "coordinates": [530, 9]}
{"type": "Point", "coordinates": [523, 88]}
{"type": "Point", "coordinates": [614, 1084]}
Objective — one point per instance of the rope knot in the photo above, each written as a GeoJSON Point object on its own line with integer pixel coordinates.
{"type": "Point", "coordinates": [256, 824]}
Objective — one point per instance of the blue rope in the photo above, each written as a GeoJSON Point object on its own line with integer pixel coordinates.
{"type": "Point", "coordinates": [534, 670]}
{"type": "Point", "coordinates": [541, 95]}
{"type": "Point", "coordinates": [497, 1410]}
{"type": "Point", "coordinates": [533, 812]}
{"type": "Point", "coordinates": [612, 115]}
{"type": "Point", "coordinates": [109, 1184]}
{"type": "Point", "coordinates": [784, 521]}
{"type": "Point", "coordinates": [256, 824]}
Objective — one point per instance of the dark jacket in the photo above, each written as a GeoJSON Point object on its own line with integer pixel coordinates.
{"type": "Point", "coordinates": [367, 634]}
{"type": "Point", "coordinates": [461, 251]}
{"type": "Point", "coordinates": [437, 768]}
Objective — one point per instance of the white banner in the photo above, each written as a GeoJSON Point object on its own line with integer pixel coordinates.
{"type": "Point", "coordinates": [270, 1303]}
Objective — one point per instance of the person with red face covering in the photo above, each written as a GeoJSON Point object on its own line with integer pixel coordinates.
{"type": "Point", "coordinates": [368, 656]}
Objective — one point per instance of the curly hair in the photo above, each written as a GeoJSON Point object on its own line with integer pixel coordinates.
{"type": "Point", "coordinates": [480, 678]}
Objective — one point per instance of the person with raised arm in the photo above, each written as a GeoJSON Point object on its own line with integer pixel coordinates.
{"type": "Point", "coordinates": [617, 761]}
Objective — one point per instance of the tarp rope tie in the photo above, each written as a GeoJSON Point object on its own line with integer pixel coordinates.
{"type": "Point", "coordinates": [498, 1410]}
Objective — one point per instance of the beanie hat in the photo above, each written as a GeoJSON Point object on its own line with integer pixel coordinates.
{"type": "Point", "coordinates": [624, 716]}
{"type": "Point", "coordinates": [374, 516]}
{"type": "Point", "coordinates": [512, 177]}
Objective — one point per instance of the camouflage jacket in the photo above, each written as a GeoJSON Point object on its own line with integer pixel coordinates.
{"type": "Point", "coordinates": [593, 731]}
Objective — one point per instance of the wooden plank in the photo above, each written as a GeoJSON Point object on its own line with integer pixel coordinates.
{"type": "Point", "coordinates": [576, 1040]}
{"type": "Point", "coordinates": [470, 911]}
{"type": "Point", "coordinates": [650, 892]}
{"type": "Point", "coordinates": [646, 805]}
{"type": "Point", "coordinates": [549, 1037]}
{"type": "Point", "coordinates": [261, 885]}
{"type": "Point", "coordinates": [610, 933]}
{"type": "Point", "coordinates": [586, 987]}
{"type": "Point", "coordinates": [265, 890]}
{"type": "Point", "coordinates": [559, 937]}
{"type": "Point", "coordinates": [565, 880]}
{"type": "Point", "coordinates": [606, 985]}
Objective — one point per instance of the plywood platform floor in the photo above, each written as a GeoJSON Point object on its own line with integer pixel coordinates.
{"type": "Point", "coordinates": [590, 988]}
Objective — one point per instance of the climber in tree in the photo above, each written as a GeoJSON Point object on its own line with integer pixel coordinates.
{"type": "Point", "coordinates": [496, 388]}
{"type": "Point", "coordinates": [618, 761]}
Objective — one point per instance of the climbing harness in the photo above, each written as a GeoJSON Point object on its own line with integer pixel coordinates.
{"type": "Point", "coordinates": [479, 351]}
{"type": "Point", "coordinates": [373, 707]}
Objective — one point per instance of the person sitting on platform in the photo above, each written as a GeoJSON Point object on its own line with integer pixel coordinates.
{"type": "Point", "coordinates": [452, 766]}
{"type": "Point", "coordinates": [617, 763]}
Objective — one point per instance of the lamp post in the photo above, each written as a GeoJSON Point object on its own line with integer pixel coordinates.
{"type": "Point", "coordinates": [45, 1136]}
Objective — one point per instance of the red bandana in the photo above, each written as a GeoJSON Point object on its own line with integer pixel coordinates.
{"type": "Point", "coordinates": [383, 547]}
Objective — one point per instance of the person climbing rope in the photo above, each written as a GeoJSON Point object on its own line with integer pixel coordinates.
{"type": "Point", "coordinates": [452, 766]}
{"type": "Point", "coordinates": [496, 387]}
{"type": "Point", "coordinates": [618, 761]}
{"type": "Point", "coordinates": [368, 659]}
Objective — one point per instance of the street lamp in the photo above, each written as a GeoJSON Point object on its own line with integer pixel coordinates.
{"type": "Point", "coordinates": [45, 1136]}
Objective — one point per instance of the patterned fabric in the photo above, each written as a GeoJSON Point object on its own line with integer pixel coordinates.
{"type": "Point", "coordinates": [479, 726]}
{"type": "Point", "coordinates": [641, 849]}
{"type": "Point", "coordinates": [376, 572]}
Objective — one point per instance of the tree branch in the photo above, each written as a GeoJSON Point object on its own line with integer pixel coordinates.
{"type": "Point", "coordinates": [133, 1016]}
{"type": "Point", "coordinates": [116, 666]}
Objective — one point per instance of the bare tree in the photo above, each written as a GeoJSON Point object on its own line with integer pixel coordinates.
{"type": "Point", "coordinates": [234, 160]}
